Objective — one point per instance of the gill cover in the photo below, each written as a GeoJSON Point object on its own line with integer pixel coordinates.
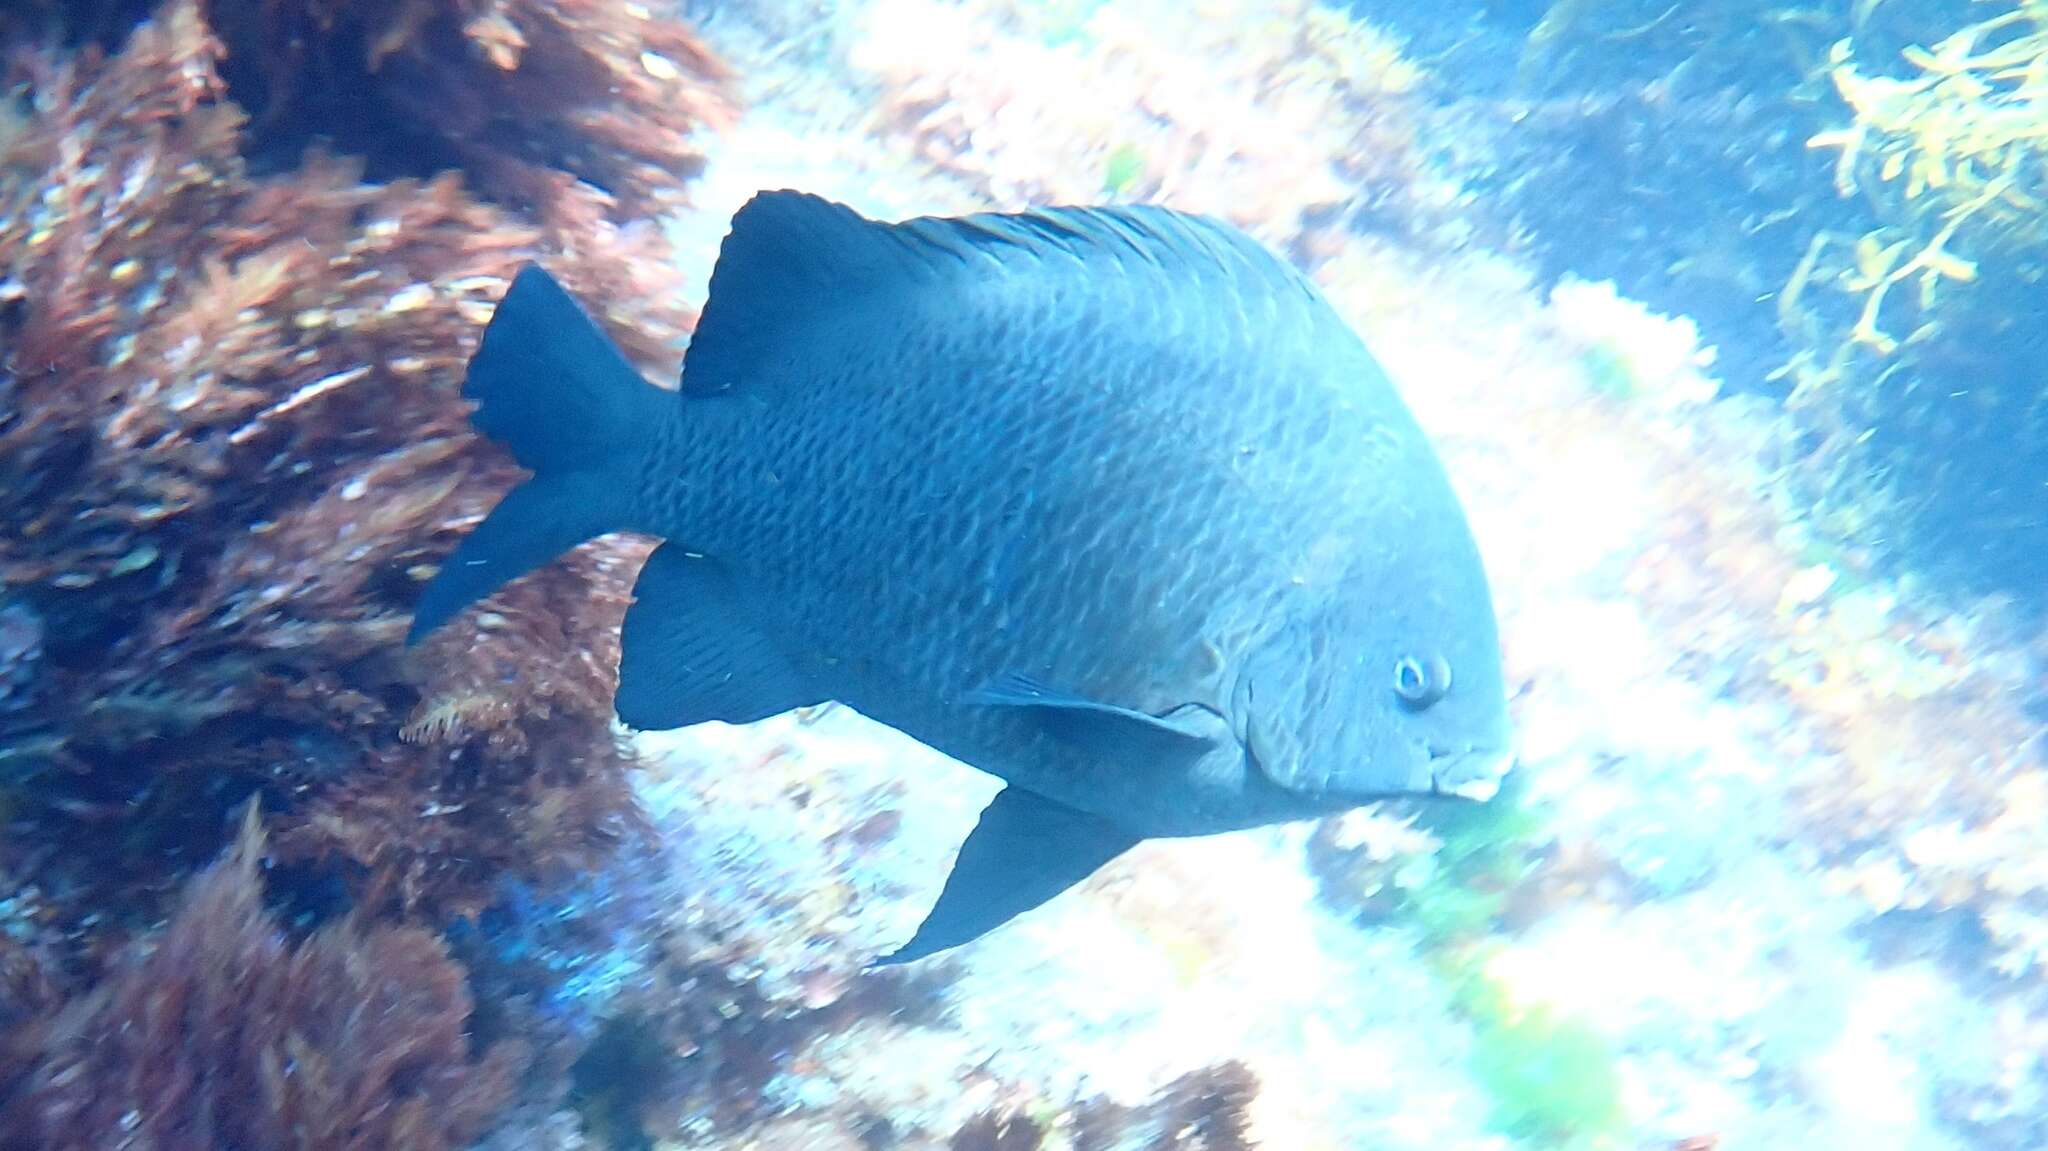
{"type": "Point", "coordinates": [1273, 689]}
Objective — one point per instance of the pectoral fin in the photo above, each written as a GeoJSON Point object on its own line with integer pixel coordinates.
{"type": "Point", "coordinates": [1025, 850]}
{"type": "Point", "coordinates": [1182, 737]}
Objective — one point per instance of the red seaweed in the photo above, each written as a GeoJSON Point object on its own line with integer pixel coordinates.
{"type": "Point", "coordinates": [224, 1033]}
{"type": "Point", "coordinates": [232, 449]}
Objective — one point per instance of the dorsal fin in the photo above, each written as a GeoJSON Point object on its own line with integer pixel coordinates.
{"type": "Point", "coordinates": [792, 256]}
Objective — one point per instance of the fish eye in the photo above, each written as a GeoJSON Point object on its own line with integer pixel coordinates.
{"type": "Point", "coordinates": [1420, 681]}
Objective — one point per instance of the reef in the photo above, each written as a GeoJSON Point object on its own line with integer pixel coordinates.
{"type": "Point", "coordinates": [1770, 872]}
{"type": "Point", "coordinates": [524, 97]}
{"type": "Point", "coordinates": [220, 1031]}
{"type": "Point", "coordinates": [1307, 125]}
{"type": "Point", "coordinates": [520, 95]}
{"type": "Point", "coordinates": [233, 448]}
{"type": "Point", "coordinates": [1201, 1111]}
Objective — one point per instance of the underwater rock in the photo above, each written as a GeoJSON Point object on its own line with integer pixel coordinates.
{"type": "Point", "coordinates": [1280, 116]}
{"type": "Point", "coordinates": [792, 843]}
{"type": "Point", "coordinates": [1204, 1110]}
{"type": "Point", "coordinates": [794, 853]}
{"type": "Point", "coordinates": [1366, 862]}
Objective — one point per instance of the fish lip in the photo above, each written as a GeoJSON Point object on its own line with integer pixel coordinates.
{"type": "Point", "coordinates": [1473, 773]}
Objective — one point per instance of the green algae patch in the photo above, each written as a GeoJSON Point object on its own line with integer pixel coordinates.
{"type": "Point", "coordinates": [1486, 850]}
{"type": "Point", "coordinates": [1122, 170]}
{"type": "Point", "coordinates": [1550, 1079]}
{"type": "Point", "coordinates": [1607, 373]}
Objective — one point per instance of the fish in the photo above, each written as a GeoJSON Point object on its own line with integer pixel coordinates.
{"type": "Point", "coordinates": [1107, 502]}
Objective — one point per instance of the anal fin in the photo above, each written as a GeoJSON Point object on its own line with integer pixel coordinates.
{"type": "Point", "coordinates": [695, 648]}
{"type": "Point", "coordinates": [1026, 850]}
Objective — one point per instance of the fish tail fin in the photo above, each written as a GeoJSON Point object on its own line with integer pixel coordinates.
{"type": "Point", "coordinates": [554, 389]}
{"type": "Point", "coordinates": [557, 393]}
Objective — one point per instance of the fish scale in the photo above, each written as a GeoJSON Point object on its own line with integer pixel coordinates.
{"type": "Point", "coordinates": [1106, 502]}
{"type": "Point", "coordinates": [863, 505]}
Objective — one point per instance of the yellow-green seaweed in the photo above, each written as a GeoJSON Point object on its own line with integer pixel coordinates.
{"type": "Point", "coordinates": [1956, 151]}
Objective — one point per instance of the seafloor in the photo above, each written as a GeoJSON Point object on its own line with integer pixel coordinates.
{"type": "Point", "coordinates": [1773, 873]}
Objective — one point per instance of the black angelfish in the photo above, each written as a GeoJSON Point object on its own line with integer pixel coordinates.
{"type": "Point", "coordinates": [1106, 502]}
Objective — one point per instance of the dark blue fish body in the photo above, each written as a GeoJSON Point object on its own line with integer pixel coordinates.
{"type": "Point", "coordinates": [1106, 502]}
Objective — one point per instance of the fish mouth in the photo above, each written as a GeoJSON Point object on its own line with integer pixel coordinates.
{"type": "Point", "coordinates": [1470, 773]}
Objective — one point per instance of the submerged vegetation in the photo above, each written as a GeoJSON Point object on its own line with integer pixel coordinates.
{"type": "Point", "coordinates": [1549, 1078]}
{"type": "Point", "coordinates": [1453, 875]}
{"type": "Point", "coordinates": [1933, 398]}
{"type": "Point", "coordinates": [225, 1033]}
{"type": "Point", "coordinates": [1966, 133]}
{"type": "Point", "coordinates": [1843, 195]}
{"type": "Point", "coordinates": [523, 96]}
{"type": "Point", "coordinates": [208, 371]}
{"type": "Point", "coordinates": [245, 249]}
{"type": "Point", "coordinates": [232, 447]}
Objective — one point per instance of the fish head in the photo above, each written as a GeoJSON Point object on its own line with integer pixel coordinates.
{"type": "Point", "coordinates": [1387, 683]}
